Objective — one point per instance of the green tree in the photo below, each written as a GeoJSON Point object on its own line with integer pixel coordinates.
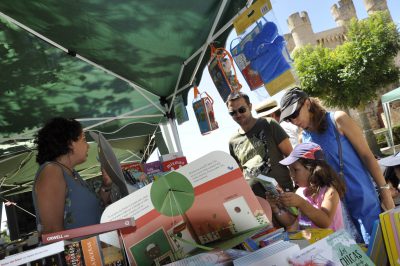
{"type": "Point", "coordinates": [350, 75]}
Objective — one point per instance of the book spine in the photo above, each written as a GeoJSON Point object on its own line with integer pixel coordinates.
{"type": "Point", "coordinates": [73, 254]}
{"type": "Point", "coordinates": [395, 237]}
{"type": "Point", "coordinates": [87, 230]}
{"type": "Point", "coordinates": [388, 235]}
{"type": "Point", "coordinates": [91, 251]}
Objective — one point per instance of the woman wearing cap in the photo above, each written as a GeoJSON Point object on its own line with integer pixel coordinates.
{"type": "Point", "coordinates": [340, 137]}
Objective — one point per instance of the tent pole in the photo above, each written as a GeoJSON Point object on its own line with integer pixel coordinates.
{"type": "Point", "coordinates": [209, 38]}
{"type": "Point", "coordinates": [386, 110]}
{"type": "Point", "coordinates": [177, 140]}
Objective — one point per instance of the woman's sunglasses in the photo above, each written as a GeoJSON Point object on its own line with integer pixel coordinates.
{"type": "Point", "coordinates": [241, 110]}
{"type": "Point", "coordinates": [295, 114]}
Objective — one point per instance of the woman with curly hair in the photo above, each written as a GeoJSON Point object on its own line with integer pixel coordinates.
{"type": "Point", "coordinates": [62, 199]}
{"type": "Point", "coordinates": [319, 191]}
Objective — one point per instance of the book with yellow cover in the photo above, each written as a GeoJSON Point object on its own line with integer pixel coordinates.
{"type": "Point", "coordinates": [389, 238]}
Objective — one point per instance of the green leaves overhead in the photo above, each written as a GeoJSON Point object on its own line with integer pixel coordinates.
{"type": "Point", "coordinates": [351, 74]}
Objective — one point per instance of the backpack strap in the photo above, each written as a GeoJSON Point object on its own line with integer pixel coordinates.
{"type": "Point", "coordinates": [341, 164]}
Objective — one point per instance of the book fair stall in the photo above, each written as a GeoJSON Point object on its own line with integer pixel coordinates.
{"type": "Point", "coordinates": [174, 212]}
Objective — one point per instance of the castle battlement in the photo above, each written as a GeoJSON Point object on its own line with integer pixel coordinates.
{"type": "Point", "coordinates": [343, 12]}
{"type": "Point", "coordinates": [298, 19]}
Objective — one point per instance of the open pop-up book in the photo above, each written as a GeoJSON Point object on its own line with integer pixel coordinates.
{"type": "Point", "coordinates": [202, 205]}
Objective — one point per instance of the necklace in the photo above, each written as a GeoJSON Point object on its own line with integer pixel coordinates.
{"type": "Point", "coordinates": [73, 173]}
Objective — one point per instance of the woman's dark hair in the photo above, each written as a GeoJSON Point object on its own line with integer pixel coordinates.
{"type": "Point", "coordinates": [318, 118]}
{"type": "Point", "coordinates": [55, 138]}
{"type": "Point", "coordinates": [323, 175]}
{"type": "Point", "coordinates": [390, 176]}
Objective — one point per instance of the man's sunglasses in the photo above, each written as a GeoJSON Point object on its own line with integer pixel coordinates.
{"type": "Point", "coordinates": [295, 114]}
{"type": "Point", "coordinates": [241, 110]}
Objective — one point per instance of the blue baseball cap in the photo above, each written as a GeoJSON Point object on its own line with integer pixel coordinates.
{"type": "Point", "coordinates": [310, 150]}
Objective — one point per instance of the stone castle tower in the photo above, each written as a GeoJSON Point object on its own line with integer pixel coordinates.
{"type": "Point", "coordinates": [301, 32]}
{"type": "Point", "coordinates": [343, 12]}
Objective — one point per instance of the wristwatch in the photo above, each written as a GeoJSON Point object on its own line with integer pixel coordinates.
{"type": "Point", "coordinates": [385, 186]}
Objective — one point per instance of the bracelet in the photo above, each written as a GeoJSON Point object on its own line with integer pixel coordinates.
{"type": "Point", "coordinates": [106, 189]}
{"type": "Point", "coordinates": [385, 186]}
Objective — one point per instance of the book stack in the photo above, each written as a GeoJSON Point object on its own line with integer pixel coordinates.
{"type": "Point", "coordinates": [70, 247]}
{"type": "Point", "coordinates": [277, 253]}
{"type": "Point", "coordinates": [33, 255]}
{"type": "Point", "coordinates": [390, 224]}
{"type": "Point", "coordinates": [264, 238]}
{"type": "Point", "coordinates": [376, 248]}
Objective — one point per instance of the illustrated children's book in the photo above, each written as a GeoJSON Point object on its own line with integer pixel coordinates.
{"type": "Point", "coordinates": [336, 249]}
{"type": "Point", "coordinates": [270, 186]}
{"type": "Point", "coordinates": [204, 204]}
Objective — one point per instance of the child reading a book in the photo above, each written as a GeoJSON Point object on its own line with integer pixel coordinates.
{"type": "Point", "coordinates": [319, 191]}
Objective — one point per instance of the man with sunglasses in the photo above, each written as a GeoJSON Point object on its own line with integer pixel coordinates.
{"type": "Point", "coordinates": [258, 145]}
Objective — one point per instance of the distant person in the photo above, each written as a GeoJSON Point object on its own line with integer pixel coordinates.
{"type": "Point", "coordinates": [319, 193]}
{"type": "Point", "coordinates": [62, 199]}
{"type": "Point", "coordinates": [270, 108]}
{"type": "Point", "coordinates": [392, 175]}
{"type": "Point", "coordinates": [332, 131]}
{"type": "Point", "coordinates": [258, 145]}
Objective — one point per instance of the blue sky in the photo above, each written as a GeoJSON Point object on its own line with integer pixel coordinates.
{"type": "Point", "coordinates": [195, 145]}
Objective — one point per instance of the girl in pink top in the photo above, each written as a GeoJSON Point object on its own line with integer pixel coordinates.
{"type": "Point", "coordinates": [319, 193]}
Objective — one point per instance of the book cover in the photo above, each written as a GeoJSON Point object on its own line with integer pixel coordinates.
{"type": "Point", "coordinates": [388, 236]}
{"type": "Point", "coordinates": [180, 111]}
{"type": "Point", "coordinates": [88, 230]}
{"type": "Point", "coordinates": [270, 185]}
{"type": "Point", "coordinates": [336, 249]}
{"type": "Point", "coordinates": [277, 253]}
{"type": "Point", "coordinates": [376, 248]}
{"type": "Point", "coordinates": [73, 254]}
{"type": "Point", "coordinates": [33, 254]}
{"type": "Point", "coordinates": [91, 251]}
{"type": "Point", "coordinates": [110, 163]}
{"type": "Point", "coordinates": [173, 164]}
{"type": "Point", "coordinates": [153, 170]}
{"type": "Point", "coordinates": [223, 211]}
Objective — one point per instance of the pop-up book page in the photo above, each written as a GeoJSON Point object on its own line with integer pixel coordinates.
{"type": "Point", "coordinates": [203, 203]}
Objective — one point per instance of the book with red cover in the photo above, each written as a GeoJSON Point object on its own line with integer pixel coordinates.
{"type": "Point", "coordinates": [173, 164]}
{"type": "Point", "coordinates": [88, 230]}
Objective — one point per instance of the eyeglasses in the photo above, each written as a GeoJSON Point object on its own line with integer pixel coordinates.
{"type": "Point", "coordinates": [295, 113]}
{"type": "Point", "coordinates": [241, 110]}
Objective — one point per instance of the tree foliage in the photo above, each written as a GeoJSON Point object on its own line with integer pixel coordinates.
{"type": "Point", "coordinates": [351, 74]}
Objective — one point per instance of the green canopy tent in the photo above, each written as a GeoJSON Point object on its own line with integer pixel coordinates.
{"type": "Point", "coordinates": [387, 98]}
{"type": "Point", "coordinates": [116, 66]}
